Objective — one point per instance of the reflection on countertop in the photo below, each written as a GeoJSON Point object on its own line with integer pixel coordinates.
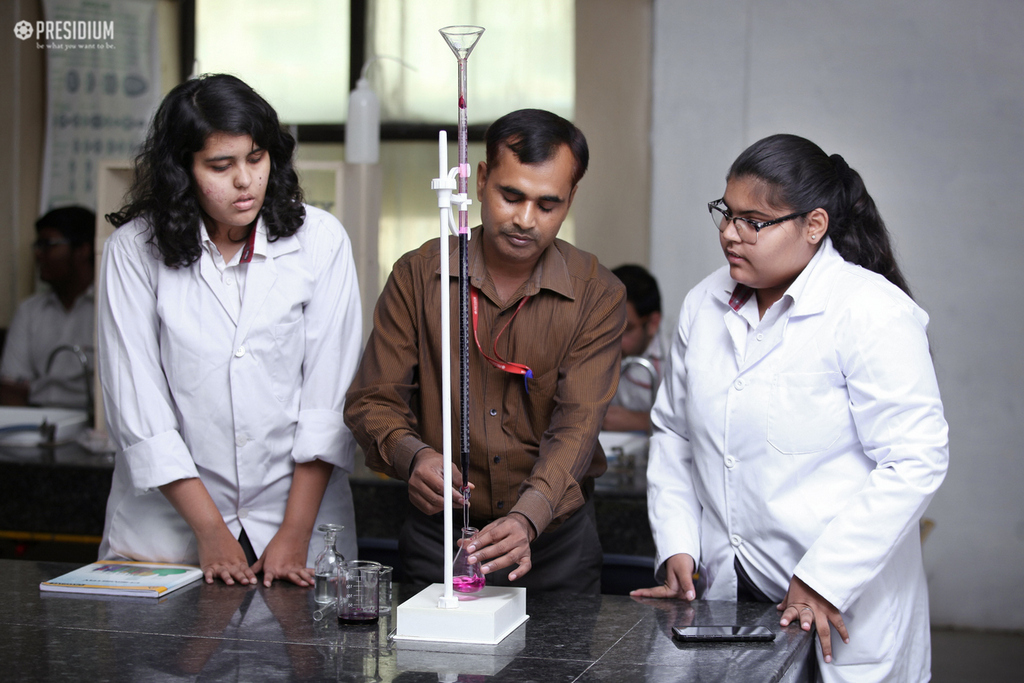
{"type": "Point", "coordinates": [218, 632]}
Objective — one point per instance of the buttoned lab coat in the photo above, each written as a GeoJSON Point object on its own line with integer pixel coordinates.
{"type": "Point", "coordinates": [191, 392]}
{"type": "Point", "coordinates": [810, 446]}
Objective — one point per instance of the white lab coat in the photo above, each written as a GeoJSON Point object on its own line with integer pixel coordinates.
{"type": "Point", "coordinates": [191, 391]}
{"type": "Point", "coordinates": [808, 443]}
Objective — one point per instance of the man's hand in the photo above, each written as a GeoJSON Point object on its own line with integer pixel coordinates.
{"type": "Point", "coordinates": [502, 543]}
{"type": "Point", "coordinates": [285, 558]}
{"type": "Point", "coordinates": [803, 602]}
{"type": "Point", "coordinates": [678, 580]}
{"type": "Point", "coordinates": [426, 482]}
{"type": "Point", "coordinates": [221, 556]}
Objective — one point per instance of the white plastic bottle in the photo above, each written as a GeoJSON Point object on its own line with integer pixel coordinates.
{"type": "Point", "coordinates": [362, 131]}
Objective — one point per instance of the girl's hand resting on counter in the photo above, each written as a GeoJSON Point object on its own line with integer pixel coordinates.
{"type": "Point", "coordinates": [678, 580]}
{"type": "Point", "coordinates": [803, 602]}
{"type": "Point", "coordinates": [285, 559]}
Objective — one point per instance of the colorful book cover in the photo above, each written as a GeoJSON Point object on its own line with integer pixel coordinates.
{"type": "Point", "coordinates": [146, 579]}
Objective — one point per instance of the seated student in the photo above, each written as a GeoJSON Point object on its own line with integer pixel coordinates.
{"type": "Point", "coordinates": [630, 410]}
{"type": "Point", "coordinates": [229, 330]}
{"type": "Point", "coordinates": [40, 364]}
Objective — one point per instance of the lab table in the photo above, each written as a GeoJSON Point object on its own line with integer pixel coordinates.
{"type": "Point", "coordinates": [219, 632]}
{"type": "Point", "coordinates": [61, 492]}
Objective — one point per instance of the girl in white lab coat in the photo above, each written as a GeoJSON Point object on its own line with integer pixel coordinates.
{"type": "Point", "coordinates": [799, 433]}
{"type": "Point", "coordinates": [229, 331]}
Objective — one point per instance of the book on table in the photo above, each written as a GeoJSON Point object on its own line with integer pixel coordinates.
{"type": "Point", "coordinates": [139, 579]}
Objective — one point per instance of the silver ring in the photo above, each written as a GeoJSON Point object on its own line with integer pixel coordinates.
{"type": "Point", "coordinates": [808, 609]}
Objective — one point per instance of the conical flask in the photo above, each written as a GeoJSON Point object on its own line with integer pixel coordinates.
{"type": "Point", "coordinates": [466, 577]}
{"type": "Point", "coordinates": [326, 567]}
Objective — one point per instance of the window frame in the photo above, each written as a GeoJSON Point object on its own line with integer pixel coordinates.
{"type": "Point", "coordinates": [333, 132]}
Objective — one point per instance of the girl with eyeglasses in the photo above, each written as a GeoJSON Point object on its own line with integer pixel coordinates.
{"type": "Point", "coordinates": [799, 434]}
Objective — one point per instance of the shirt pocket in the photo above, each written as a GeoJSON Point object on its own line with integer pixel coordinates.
{"type": "Point", "coordinates": [807, 411]}
{"type": "Point", "coordinates": [540, 401]}
{"type": "Point", "coordinates": [284, 358]}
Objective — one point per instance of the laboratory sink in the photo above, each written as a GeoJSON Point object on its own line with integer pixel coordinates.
{"type": "Point", "coordinates": [25, 426]}
{"type": "Point", "coordinates": [624, 448]}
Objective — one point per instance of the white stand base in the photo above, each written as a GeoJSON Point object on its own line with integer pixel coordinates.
{"type": "Point", "coordinates": [485, 617]}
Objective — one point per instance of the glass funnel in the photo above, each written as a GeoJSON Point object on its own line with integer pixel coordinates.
{"type": "Point", "coordinates": [466, 577]}
{"type": "Point", "coordinates": [461, 39]}
{"type": "Point", "coordinates": [325, 570]}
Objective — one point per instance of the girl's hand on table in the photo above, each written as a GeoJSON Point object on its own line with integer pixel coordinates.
{"type": "Point", "coordinates": [678, 580]}
{"type": "Point", "coordinates": [285, 558]}
{"type": "Point", "coordinates": [221, 556]}
{"type": "Point", "coordinates": [803, 602]}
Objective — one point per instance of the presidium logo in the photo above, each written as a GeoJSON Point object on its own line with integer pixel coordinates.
{"type": "Point", "coordinates": [65, 30]}
{"type": "Point", "coordinates": [23, 30]}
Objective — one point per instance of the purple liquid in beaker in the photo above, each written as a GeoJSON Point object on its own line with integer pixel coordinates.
{"type": "Point", "coordinates": [358, 618]}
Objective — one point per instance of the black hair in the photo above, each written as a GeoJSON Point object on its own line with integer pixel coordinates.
{"type": "Point", "coordinates": [76, 223]}
{"type": "Point", "coordinates": [163, 191]}
{"type": "Point", "coordinates": [534, 136]}
{"type": "Point", "coordinates": [799, 176]}
{"type": "Point", "coordinates": [641, 289]}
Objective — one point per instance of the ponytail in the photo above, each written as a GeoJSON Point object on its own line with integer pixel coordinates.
{"type": "Point", "coordinates": [858, 231]}
{"type": "Point", "coordinates": [801, 177]}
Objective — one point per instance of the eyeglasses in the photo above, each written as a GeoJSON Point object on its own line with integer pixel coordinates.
{"type": "Point", "coordinates": [746, 228]}
{"type": "Point", "coordinates": [43, 244]}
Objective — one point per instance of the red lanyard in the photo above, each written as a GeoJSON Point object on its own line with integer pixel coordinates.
{"type": "Point", "coordinates": [250, 246]}
{"type": "Point", "coordinates": [500, 363]}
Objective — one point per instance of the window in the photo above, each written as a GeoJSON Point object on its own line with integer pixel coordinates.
{"type": "Point", "coordinates": [299, 56]}
{"type": "Point", "coordinates": [289, 52]}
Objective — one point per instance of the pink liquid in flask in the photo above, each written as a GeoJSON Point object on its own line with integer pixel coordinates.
{"type": "Point", "coordinates": [468, 584]}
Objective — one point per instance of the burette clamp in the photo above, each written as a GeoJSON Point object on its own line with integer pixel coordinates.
{"type": "Point", "coordinates": [447, 197]}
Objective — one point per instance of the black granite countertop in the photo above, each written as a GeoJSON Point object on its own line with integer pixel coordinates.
{"type": "Point", "coordinates": [218, 632]}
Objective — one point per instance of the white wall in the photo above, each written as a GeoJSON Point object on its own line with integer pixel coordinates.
{"type": "Point", "coordinates": [926, 100]}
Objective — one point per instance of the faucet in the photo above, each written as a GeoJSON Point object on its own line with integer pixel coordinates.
{"type": "Point", "coordinates": [647, 365]}
{"type": "Point", "coordinates": [79, 353]}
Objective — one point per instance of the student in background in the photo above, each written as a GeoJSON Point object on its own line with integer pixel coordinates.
{"type": "Point", "coordinates": [51, 333]}
{"type": "Point", "coordinates": [630, 410]}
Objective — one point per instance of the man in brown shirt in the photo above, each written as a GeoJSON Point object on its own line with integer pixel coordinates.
{"type": "Point", "coordinates": [533, 441]}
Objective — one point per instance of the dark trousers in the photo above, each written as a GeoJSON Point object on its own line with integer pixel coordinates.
{"type": "Point", "coordinates": [566, 559]}
{"type": "Point", "coordinates": [746, 590]}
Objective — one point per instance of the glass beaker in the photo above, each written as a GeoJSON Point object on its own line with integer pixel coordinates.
{"type": "Point", "coordinates": [358, 600]}
{"type": "Point", "coordinates": [325, 571]}
{"type": "Point", "coordinates": [466, 577]}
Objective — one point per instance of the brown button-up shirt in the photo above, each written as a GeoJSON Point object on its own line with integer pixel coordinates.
{"type": "Point", "coordinates": [530, 453]}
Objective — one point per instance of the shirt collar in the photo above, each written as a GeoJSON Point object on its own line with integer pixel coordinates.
{"type": "Point", "coordinates": [806, 300]}
{"type": "Point", "coordinates": [87, 297]}
{"type": "Point", "coordinates": [259, 246]}
{"type": "Point", "coordinates": [551, 271]}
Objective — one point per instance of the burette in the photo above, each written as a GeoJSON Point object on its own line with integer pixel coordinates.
{"type": "Point", "coordinates": [461, 40]}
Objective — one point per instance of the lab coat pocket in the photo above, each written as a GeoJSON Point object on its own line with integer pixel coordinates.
{"type": "Point", "coordinates": [284, 364]}
{"type": "Point", "coordinates": [872, 622]}
{"type": "Point", "coordinates": [807, 411]}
